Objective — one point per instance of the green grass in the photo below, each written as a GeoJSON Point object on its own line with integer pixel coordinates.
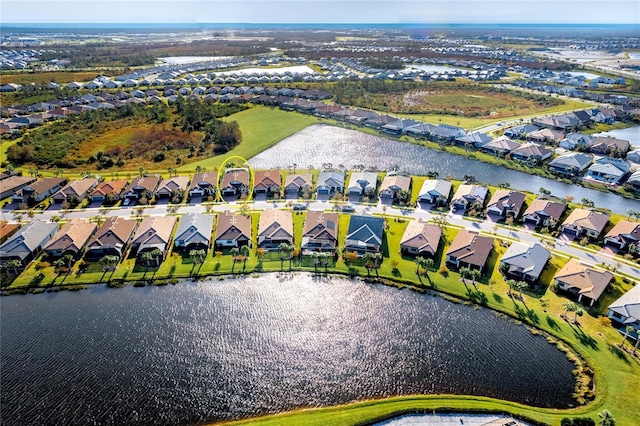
{"type": "Point", "coordinates": [262, 127]}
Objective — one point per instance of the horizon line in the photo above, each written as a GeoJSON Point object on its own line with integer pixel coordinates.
{"type": "Point", "coordinates": [324, 23]}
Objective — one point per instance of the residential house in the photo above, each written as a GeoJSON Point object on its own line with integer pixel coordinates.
{"type": "Point", "coordinates": [111, 239]}
{"type": "Point", "coordinates": [109, 191]}
{"type": "Point", "coordinates": [362, 183]}
{"type": "Point", "coordinates": [546, 136]}
{"type": "Point", "coordinates": [330, 181]}
{"type": "Point", "coordinates": [392, 184]}
{"type": "Point", "coordinates": [605, 146]}
{"type": "Point", "coordinates": [520, 131]}
{"type": "Point", "coordinates": [399, 126]}
{"type": "Point", "coordinates": [435, 191]}
{"type": "Point", "coordinates": [267, 182]}
{"type": "Point", "coordinates": [576, 141]}
{"type": "Point", "coordinates": [27, 243]}
{"type": "Point", "coordinates": [275, 227]}
{"type": "Point", "coordinates": [36, 192]}
{"type": "Point", "coordinates": [233, 230]}
{"type": "Point", "coordinates": [446, 133]}
{"type": "Point", "coordinates": [625, 311]}
{"type": "Point", "coordinates": [7, 229]}
{"type": "Point", "coordinates": [476, 139]}
{"type": "Point", "coordinates": [530, 153]}
{"type": "Point", "coordinates": [500, 146]}
{"type": "Point", "coordinates": [469, 250]}
{"type": "Point", "coordinates": [634, 181]}
{"type": "Point", "coordinates": [11, 185]}
{"type": "Point", "coordinates": [235, 182]}
{"type": "Point", "coordinates": [173, 188]}
{"type": "Point", "coordinates": [581, 222]}
{"type": "Point", "coordinates": [582, 281]}
{"type": "Point", "coordinates": [505, 203]}
{"type": "Point", "coordinates": [154, 233]}
{"type": "Point", "coordinates": [203, 184]}
{"type": "Point", "coordinates": [141, 187]}
{"type": "Point", "coordinates": [634, 156]}
{"type": "Point", "coordinates": [524, 261]}
{"type": "Point", "coordinates": [194, 232]}
{"type": "Point", "coordinates": [420, 239]}
{"type": "Point", "coordinates": [544, 213]}
{"type": "Point", "coordinates": [623, 235]}
{"type": "Point", "coordinates": [75, 191]}
{"type": "Point", "coordinates": [570, 164]}
{"type": "Point", "coordinates": [558, 122]}
{"type": "Point", "coordinates": [421, 130]}
{"type": "Point", "coordinates": [608, 170]}
{"type": "Point", "coordinates": [320, 232]}
{"type": "Point", "coordinates": [364, 234]}
{"type": "Point", "coordinates": [467, 195]}
{"type": "Point", "coordinates": [71, 238]}
{"type": "Point", "coordinates": [296, 184]}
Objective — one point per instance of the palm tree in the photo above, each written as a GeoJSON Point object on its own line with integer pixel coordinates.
{"type": "Point", "coordinates": [606, 419]}
{"type": "Point", "coordinates": [578, 313]}
{"type": "Point", "coordinates": [367, 258]}
{"type": "Point", "coordinates": [198, 255]}
{"type": "Point", "coordinates": [464, 271]}
{"type": "Point", "coordinates": [244, 250]}
{"type": "Point", "coordinates": [568, 307]}
{"type": "Point", "coordinates": [109, 260]}
{"type": "Point", "coordinates": [12, 265]}
{"type": "Point", "coordinates": [635, 348]}
{"type": "Point", "coordinates": [627, 330]}
{"type": "Point", "coordinates": [475, 274]}
{"type": "Point", "coordinates": [520, 285]}
{"type": "Point", "coordinates": [233, 252]}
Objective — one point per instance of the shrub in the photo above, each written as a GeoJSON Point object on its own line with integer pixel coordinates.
{"type": "Point", "coordinates": [566, 421]}
{"type": "Point", "coordinates": [160, 156]}
{"type": "Point", "coordinates": [583, 421]}
{"type": "Point", "coordinates": [444, 271]}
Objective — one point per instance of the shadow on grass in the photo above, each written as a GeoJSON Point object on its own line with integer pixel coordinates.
{"type": "Point", "coordinates": [585, 339]}
{"type": "Point", "coordinates": [498, 298]}
{"type": "Point", "coordinates": [552, 323]}
{"type": "Point", "coordinates": [526, 314]}
{"type": "Point", "coordinates": [614, 349]}
{"type": "Point", "coordinates": [477, 296]}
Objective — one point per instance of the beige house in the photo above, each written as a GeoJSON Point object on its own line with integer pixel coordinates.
{"type": "Point", "coordinates": [582, 281]}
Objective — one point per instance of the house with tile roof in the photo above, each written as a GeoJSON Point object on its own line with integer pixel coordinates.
{"type": "Point", "coordinates": [421, 239]}
{"type": "Point", "coordinates": [362, 182]}
{"type": "Point", "coordinates": [37, 191]}
{"type": "Point", "coordinates": [608, 170]}
{"type": "Point", "coordinates": [530, 153]}
{"type": "Point", "coordinates": [194, 232]}
{"type": "Point", "coordinates": [111, 239]}
{"type": "Point", "coordinates": [623, 235]}
{"type": "Point", "coordinates": [544, 213]}
{"type": "Point", "coordinates": [173, 187]}
{"type": "Point", "coordinates": [330, 181]}
{"type": "Point", "coordinates": [296, 184]}
{"type": "Point", "coordinates": [233, 230]}
{"type": "Point", "coordinates": [75, 191]}
{"type": "Point", "coordinates": [581, 222]}
{"type": "Point", "coordinates": [235, 182]}
{"type": "Point", "coordinates": [141, 187]}
{"type": "Point", "coordinates": [625, 310]}
{"type": "Point", "coordinates": [364, 235]}
{"type": "Point", "coordinates": [469, 250]}
{"type": "Point", "coordinates": [203, 184]}
{"type": "Point", "coordinates": [275, 227]}
{"type": "Point", "coordinates": [7, 229]}
{"type": "Point", "coordinates": [392, 184]}
{"type": "Point", "coordinates": [582, 281]}
{"type": "Point", "coordinates": [153, 233]}
{"type": "Point", "coordinates": [505, 202]}
{"type": "Point", "coordinates": [71, 238]}
{"type": "Point", "coordinates": [267, 182]}
{"type": "Point", "coordinates": [435, 191]}
{"type": "Point", "coordinates": [468, 194]}
{"type": "Point", "coordinates": [500, 146]}
{"type": "Point", "coordinates": [570, 164]}
{"type": "Point", "coordinates": [27, 243]}
{"type": "Point", "coordinates": [109, 191]}
{"type": "Point", "coordinates": [524, 261]}
{"type": "Point", "coordinates": [320, 232]}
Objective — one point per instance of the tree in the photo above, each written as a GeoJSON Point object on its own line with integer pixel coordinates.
{"type": "Point", "coordinates": [587, 203]}
{"type": "Point", "coordinates": [244, 250]}
{"type": "Point", "coordinates": [520, 285]}
{"type": "Point", "coordinates": [512, 285]}
{"type": "Point", "coordinates": [578, 313]}
{"type": "Point", "coordinates": [198, 255]}
{"type": "Point", "coordinates": [234, 253]}
{"type": "Point", "coordinates": [606, 419]}
{"type": "Point", "coordinates": [464, 273]}
{"type": "Point", "coordinates": [12, 265]}
{"type": "Point", "coordinates": [544, 191]}
{"type": "Point", "coordinates": [109, 260]}
{"type": "Point", "coordinates": [568, 307]}
{"type": "Point", "coordinates": [627, 330]}
{"type": "Point", "coordinates": [475, 274]}
{"type": "Point", "coordinates": [218, 256]}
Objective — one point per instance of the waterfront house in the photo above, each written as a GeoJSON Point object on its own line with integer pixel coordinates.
{"type": "Point", "coordinates": [520, 131]}
{"type": "Point", "coordinates": [364, 234]}
{"type": "Point", "coordinates": [530, 153]}
{"type": "Point", "coordinates": [634, 156]}
{"type": "Point", "coordinates": [606, 146]}
{"type": "Point", "coordinates": [296, 184]}
{"type": "Point", "coordinates": [581, 222]}
{"type": "Point", "coordinates": [469, 250]}
{"type": "Point", "coordinates": [275, 227]}
{"type": "Point", "coordinates": [11, 185]}
{"type": "Point", "coordinates": [421, 130]}
{"type": "Point", "coordinates": [71, 238]}
{"type": "Point", "coordinates": [7, 229]}
{"type": "Point", "coordinates": [153, 233]}
{"type": "Point", "coordinates": [435, 191]}
{"type": "Point", "coordinates": [141, 187]}
{"type": "Point", "coordinates": [420, 239]}
{"type": "Point", "coordinates": [330, 181]}
{"type": "Point", "coordinates": [625, 311]}
{"type": "Point", "coordinates": [267, 182]}
{"type": "Point", "coordinates": [109, 191]}
{"type": "Point", "coordinates": [582, 281]}
{"type": "Point", "coordinates": [570, 164]}
{"type": "Point", "coordinates": [504, 203]}
{"type": "Point", "coordinates": [392, 184]}
{"type": "Point", "coordinates": [203, 184]}
{"type": "Point", "coordinates": [476, 139]}
{"type": "Point", "coordinates": [544, 213]}
{"type": "Point", "coordinates": [27, 243]}
{"type": "Point", "coordinates": [608, 170]}
{"type": "Point", "coordinates": [468, 194]}
{"type": "Point", "coordinates": [446, 133]}
{"type": "Point", "coordinates": [38, 191]}
{"type": "Point", "coordinates": [194, 232]}
{"type": "Point", "coordinates": [361, 183]}
{"type": "Point", "coordinates": [500, 146]}
{"type": "Point", "coordinates": [235, 182]}
{"type": "Point", "coordinates": [173, 188]}
{"type": "Point", "coordinates": [320, 232]}
{"type": "Point", "coordinates": [111, 239]}
{"type": "Point", "coordinates": [233, 230]}
{"type": "Point", "coordinates": [579, 141]}
{"type": "Point", "coordinates": [399, 126]}
{"type": "Point", "coordinates": [75, 191]}
{"type": "Point", "coordinates": [558, 122]}
{"type": "Point", "coordinates": [524, 261]}
{"type": "Point", "coordinates": [545, 136]}
{"type": "Point", "coordinates": [634, 181]}
{"type": "Point", "coordinates": [623, 235]}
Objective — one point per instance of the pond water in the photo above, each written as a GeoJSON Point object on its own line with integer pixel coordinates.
{"type": "Point", "coordinates": [438, 68]}
{"type": "Point", "coordinates": [587, 75]}
{"type": "Point", "coordinates": [631, 134]}
{"type": "Point", "coordinates": [241, 347]}
{"type": "Point", "coordinates": [321, 144]}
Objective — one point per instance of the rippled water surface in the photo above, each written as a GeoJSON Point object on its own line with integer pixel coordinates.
{"type": "Point", "coordinates": [321, 144]}
{"type": "Point", "coordinates": [242, 347]}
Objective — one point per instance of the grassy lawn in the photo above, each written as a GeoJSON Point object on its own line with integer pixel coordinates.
{"type": "Point", "coordinates": [59, 77]}
{"type": "Point", "coordinates": [617, 381]}
{"type": "Point", "coordinates": [262, 127]}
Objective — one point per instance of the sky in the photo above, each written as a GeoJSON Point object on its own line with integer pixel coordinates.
{"type": "Point", "coordinates": [321, 11]}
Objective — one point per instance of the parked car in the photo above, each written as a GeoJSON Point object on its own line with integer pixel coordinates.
{"type": "Point", "coordinates": [348, 209]}
{"type": "Point", "coordinates": [299, 206]}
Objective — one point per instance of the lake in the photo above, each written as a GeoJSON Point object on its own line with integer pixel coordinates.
{"type": "Point", "coordinates": [321, 144]}
{"type": "Point", "coordinates": [240, 347]}
{"type": "Point", "coordinates": [631, 134]}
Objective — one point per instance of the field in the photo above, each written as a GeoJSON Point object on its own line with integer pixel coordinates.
{"type": "Point", "coordinates": [59, 77]}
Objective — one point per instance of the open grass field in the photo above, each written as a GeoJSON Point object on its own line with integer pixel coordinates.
{"type": "Point", "coordinates": [617, 378]}
{"type": "Point", "coordinates": [59, 77]}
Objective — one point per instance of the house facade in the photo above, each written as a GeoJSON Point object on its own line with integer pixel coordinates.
{"type": "Point", "coordinates": [173, 188]}
{"type": "Point", "coordinates": [71, 238]}
{"type": "Point", "coordinates": [203, 184]}
{"type": "Point", "coordinates": [110, 191]}
{"type": "Point", "coordinates": [468, 194]}
{"type": "Point", "coordinates": [194, 232]}
{"type": "Point", "coordinates": [320, 232]}
{"type": "Point", "coordinates": [469, 250]}
{"type": "Point", "coordinates": [267, 182]}
{"type": "Point", "coordinates": [233, 230]}
{"type": "Point", "coordinates": [111, 239]}
{"type": "Point", "coordinates": [364, 235]}
{"type": "Point", "coordinates": [544, 213]}
{"type": "Point", "coordinates": [421, 239]}
{"type": "Point", "coordinates": [623, 235]}
{"type": "Point", "coordinates": [75, 191]}
{"type": "Point", "coordinates": [524, 261]}
{"type": "Point", "coordinates": [330, 181]}
{"type": "Point", "coordinates": [297, 184]}
{"type": "Point", "coordinates": [36, 192]}
{"type": "Point", "coordinates": [362, 182]}
{"type": "Point", "coordinates": [505, 202]}
{"type": "Point", "coordinates": [141, 187]}
{"type": "Point", "coordinates": [583, 222]}
{"type": "Point", "coordinates": [435, 191]}
{"type": "Point", "coordinates": [392, 184]}
{"type": "Point", "coordinates": [154, 233]}
{"type": "Point", "coordinates": [582, 281]}
{"type": "Point", "coordinates": [275, 227]}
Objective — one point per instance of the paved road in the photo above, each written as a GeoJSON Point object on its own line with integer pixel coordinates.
{"type": "Point", "coordinates": [558, 246]}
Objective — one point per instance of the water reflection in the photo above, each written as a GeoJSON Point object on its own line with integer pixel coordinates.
{"type": "Point", "coordinates": [244, 347]}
